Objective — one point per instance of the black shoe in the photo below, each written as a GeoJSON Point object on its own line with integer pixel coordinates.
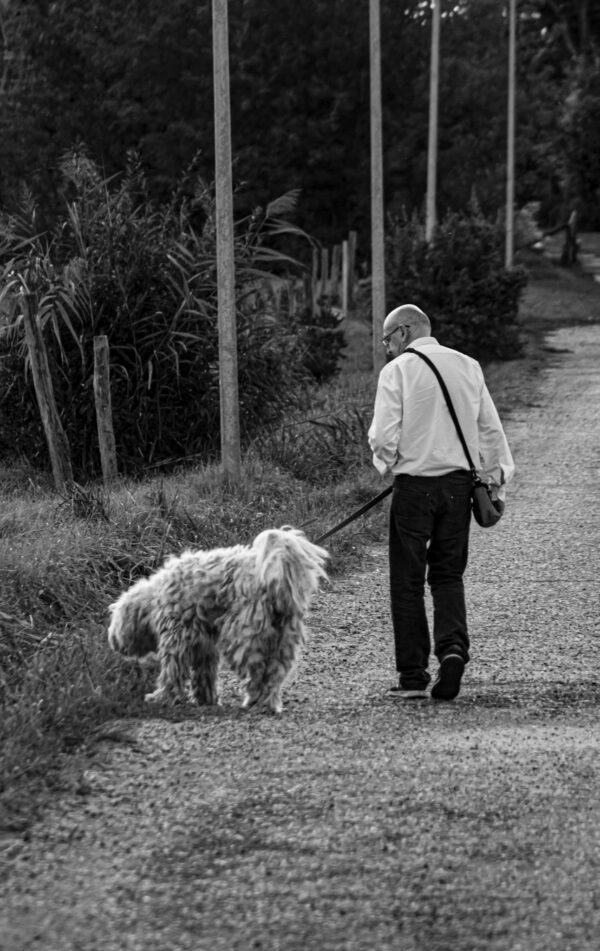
{"type": "Point", "coordinates": [447, 683]}
{"type": "Point", "coordinates": [402, 693]}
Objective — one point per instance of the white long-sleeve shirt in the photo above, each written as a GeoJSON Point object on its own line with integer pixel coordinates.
{"type": "Point", "coordinates": [412, 431]}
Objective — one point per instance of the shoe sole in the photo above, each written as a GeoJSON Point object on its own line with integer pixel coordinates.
{"type": "Point", "coordinates": [405, 695]}
{"type": "Point", "coordinates": [447, 685]}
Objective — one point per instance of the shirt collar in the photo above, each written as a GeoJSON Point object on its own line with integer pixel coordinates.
{"type": "Point", "coordinates": [422, 341]}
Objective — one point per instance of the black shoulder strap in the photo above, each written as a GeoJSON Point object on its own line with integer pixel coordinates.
{"type": "Point", "coordinates": [449, 403]}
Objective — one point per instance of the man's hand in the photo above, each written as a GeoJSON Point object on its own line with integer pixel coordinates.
{"type": "Point", "coordinates": [498, 504]}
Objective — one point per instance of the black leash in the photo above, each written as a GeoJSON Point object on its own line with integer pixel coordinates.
{"type": "Point", "coordinates": [356, 514]}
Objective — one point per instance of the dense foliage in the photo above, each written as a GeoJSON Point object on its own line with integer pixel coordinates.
{"type": "Point", "coordinates": [146, 277]}
{"type": "Point", "coordinates": [459, 280]}
{"type": "Point", "coordinates": [122, 75]}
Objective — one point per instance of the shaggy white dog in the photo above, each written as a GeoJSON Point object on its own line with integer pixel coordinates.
{"type": "Point", "coordinates": [245, 604]}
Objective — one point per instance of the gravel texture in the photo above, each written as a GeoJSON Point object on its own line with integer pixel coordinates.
{"type": "Point", "coordinates": [353, 822]}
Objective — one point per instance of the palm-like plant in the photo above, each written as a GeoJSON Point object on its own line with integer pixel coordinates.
{"type": "Point", "coordinates": [146, 277]}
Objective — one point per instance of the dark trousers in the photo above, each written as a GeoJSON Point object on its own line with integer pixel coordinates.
{"type": "Point", "coordinates": [429, 535]}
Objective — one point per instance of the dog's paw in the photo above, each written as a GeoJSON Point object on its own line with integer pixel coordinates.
{"type": "Point", "coordinates": [203, 699]}
{"type": "Point", "coordinates": [158, 696]}
{"type": "Point", "coordinates": [262, 705]}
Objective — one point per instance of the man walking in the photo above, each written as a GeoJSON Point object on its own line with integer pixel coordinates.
{"type": "Point", "coordinates": [413, 437]}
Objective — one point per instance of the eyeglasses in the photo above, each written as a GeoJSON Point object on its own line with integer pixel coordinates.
{"type": "Point", "coordinates": [392, 332]}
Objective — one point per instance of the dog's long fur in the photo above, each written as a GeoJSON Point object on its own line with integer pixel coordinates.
{"type": "Point", "coordinates": [245, 604]}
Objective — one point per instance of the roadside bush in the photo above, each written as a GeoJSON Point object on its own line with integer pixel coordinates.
{"type": "Point", "coordinates": [323, 341]}
{"type": "Point", "coordinates": [459, 280]}
{"type": "Point", "coordinates": [317, 449]}
{"type": "Point", "coordinates": [146, 277]}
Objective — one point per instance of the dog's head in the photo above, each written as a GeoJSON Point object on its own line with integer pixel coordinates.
{"type": "Point", "coordinates": [290, 567]}
{"type": "Point", "coordinates": [132, 631]}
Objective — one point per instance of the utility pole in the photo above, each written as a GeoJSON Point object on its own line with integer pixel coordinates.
{"type": "Point", "coordinates": [434, 85]}
{"type": "Point", "coordinates": [510, 146]}
{"type": "Point", "coordinates": [228, 371]}
{"type": "Point", "coordinates": [377, 208]}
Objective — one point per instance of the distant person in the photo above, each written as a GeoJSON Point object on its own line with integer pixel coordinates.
{"type": "Point", "coordinates": [413, 438]}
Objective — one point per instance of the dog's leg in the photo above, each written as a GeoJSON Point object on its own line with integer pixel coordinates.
{"type": "Point", "coordinates": [280, 666]}
{"type": "Point", "coordinates": [254, 679]}
{"type": "Point", "coordinates": [170, 683]}
{"type": "Point", "coordinates": [204, 662]}
{"type": "Point", "coordinates": [253, 686]}
{"type": "Point", "coordinates": [242, 641]}
{"type": "Point", "coordinates": [275, 677]}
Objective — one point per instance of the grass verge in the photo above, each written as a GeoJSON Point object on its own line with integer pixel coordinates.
{"type": "Point", "coordinates": [63, 560]}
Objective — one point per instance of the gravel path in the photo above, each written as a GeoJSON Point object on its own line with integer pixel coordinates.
{"type": "Point", "coordinates": [353, 823]}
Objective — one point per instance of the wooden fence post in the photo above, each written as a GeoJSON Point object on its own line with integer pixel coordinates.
{"type": "Point", "coordinates": [570, 247]}
{"type": "Point", "coordinates": [336, 271]}
{"type": "Point", "coordinates": [337, 281]}
{"type": "Point", "coordinates": [345, 279]}
{"type": "Point", "coordinates": [351, 268]}
{"type": "Point", "coordinates": [58, 445]}
{"type": "Point", "coordinates": [325, 271]}
{"type": "Point", "coordinates": [106, 436]}
{"type": "Point", "coordinates": [314, 282]}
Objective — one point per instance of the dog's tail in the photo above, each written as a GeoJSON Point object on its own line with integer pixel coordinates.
{"type": "Point", "coordinates": [289, 567]}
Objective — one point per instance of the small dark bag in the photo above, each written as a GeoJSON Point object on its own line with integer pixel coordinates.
{"type": "Point", "coordinates": [485, 512]}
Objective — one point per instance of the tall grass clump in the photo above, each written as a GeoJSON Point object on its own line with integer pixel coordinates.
{"type": "Point", "coordinates": [328, 442]}
{"type": "Point", "coordinates": [460, 280]}
{"type": "Point", "coordinates": [146, 277]}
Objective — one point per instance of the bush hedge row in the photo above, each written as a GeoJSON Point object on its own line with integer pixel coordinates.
{"type": "Point", "coordinates": [460, 280]}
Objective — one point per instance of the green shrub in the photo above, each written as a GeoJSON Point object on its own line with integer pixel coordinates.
{"type": "Point", "coordinates": [327, 442]}
{"type": "Point", "coordinates": [459, 280]}
{"type": "Point", "coordinates": [322, 340]}
{"type": "Point", "coordinates": [317, 449]}
{"type": "Point", "coordinates": [146, 277]}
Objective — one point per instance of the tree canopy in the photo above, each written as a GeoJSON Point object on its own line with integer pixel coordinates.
{"type": "Point", "coordinates": [125, 74]}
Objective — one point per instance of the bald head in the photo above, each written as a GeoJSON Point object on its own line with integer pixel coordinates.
{"type": "Point", "coordinates": [410, 316]}
{"type": "Point", "coordinates": [401, 327]}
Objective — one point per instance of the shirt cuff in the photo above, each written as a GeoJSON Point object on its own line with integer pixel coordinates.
{"type": "Point", "coordinates": [379, 465]}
